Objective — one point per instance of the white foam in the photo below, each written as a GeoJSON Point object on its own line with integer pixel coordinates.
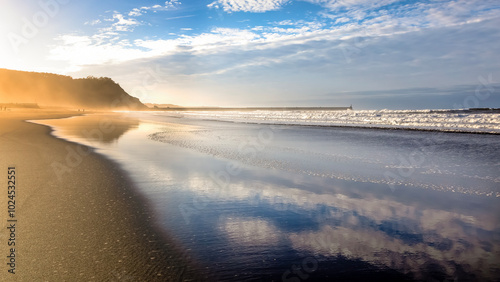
{"type": "Point", "coordinates": [442, 120]}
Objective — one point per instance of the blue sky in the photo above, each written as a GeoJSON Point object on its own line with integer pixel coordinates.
{"type": "Point", "coordinates": [372, 54]}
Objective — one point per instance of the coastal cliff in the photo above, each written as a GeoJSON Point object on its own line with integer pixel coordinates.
{"type": "Point", "coordinates": [47, 89]}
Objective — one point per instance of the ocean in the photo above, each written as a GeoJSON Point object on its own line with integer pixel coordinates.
{"type": "Point", "coordinates": [315, 195]}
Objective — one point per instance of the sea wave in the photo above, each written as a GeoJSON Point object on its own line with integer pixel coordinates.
{"type": "Point", "coordinates": [435, 120]}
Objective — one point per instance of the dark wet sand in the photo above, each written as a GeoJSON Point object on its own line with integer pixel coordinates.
{"type": "Point", "coordinates": [87, 225]}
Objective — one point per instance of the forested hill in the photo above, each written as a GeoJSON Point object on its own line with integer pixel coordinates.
{"type": "Point", "coordinates": [48, 89]}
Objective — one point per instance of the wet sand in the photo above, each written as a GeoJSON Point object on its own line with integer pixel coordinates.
{"type": "Point", "coordinates": [86, 224]}
{"type": "Point", "coordinates": [253, 202]}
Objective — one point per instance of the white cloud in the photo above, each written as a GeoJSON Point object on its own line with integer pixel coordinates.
{"type": "Point", "coordinates": [169, 5]}
{"type": "Point", "coordinates": [342, 20]}
{"type": "Point", "coordinates": [255, 6]}
{"type": "Point", "coordinates": [123, 24]}
{"type": "Point", "coordinates": [172, 3]}
{"type": "Point", "coordinates": [135, 12]}
{"type": "Point", "coordinates": [94, 22]}
{"type": "Point", "coordinates": [338, 4]}
{"type": "Point", "coordinates": [106, 47]}
{"type": "Point", "coordinates": [110, 27]}
{"type": "Point", "coordinates": [91, 52]}
{"type": "Point", "coordinates": [285, 22]}
{"type": "Point", "coordinates": [421, 14]}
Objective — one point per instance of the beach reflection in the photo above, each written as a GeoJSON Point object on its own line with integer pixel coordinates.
{"type": "Point", "coordinates": [254, 218]}
{"type": "Point", "coordinates": [416, 239]}
{"type": "Point", "coordinates": [92, 129]}
{"type": "Point", "coordinates": [421, 233]}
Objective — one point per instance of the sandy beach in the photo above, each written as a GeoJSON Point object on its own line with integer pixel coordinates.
{"type": "Point", "coordinates": [84, 223]}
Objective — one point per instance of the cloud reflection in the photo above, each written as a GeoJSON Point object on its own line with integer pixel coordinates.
{"type": "Point", "coordinates": [378, 248]}
{"type": "Point", "coordinates": [249, 231]}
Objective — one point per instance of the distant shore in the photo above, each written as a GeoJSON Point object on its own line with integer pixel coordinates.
{"type": "Point", "coordinates": [178, 108]}
{"type": "Point", "coordinates": [88, 224]}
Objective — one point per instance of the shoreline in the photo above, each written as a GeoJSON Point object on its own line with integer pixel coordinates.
{"type": "Point", "coordinates": [88, 224]}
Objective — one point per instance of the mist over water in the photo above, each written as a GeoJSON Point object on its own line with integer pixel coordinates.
{"type": "Point", "coordinates": [294, 203]}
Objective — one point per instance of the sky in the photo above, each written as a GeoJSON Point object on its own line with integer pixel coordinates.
{"type": "Point", "coordinates": [371, 54]}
